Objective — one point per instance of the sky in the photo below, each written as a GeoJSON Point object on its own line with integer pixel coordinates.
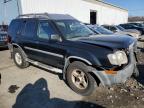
{"type": "Point", "coordinates": [135, 7]}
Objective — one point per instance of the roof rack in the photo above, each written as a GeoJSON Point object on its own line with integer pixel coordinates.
{"type": "Point", "coordinates": [34, 15]}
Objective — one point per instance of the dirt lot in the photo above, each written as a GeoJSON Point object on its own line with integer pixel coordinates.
{"type": "Point", "coordinates": [38, 88]}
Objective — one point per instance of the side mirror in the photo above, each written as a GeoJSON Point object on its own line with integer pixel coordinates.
{"type": "Point", "coordinates": [55, 37]}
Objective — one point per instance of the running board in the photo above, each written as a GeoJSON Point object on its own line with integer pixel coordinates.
{"type": "Point", "coordinates": [53, 69]}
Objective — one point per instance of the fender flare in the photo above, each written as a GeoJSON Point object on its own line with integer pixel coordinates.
{"type": "Point", "coordinates": [67, 62]}
{"type": "Point", "coordinates": [14, 44]}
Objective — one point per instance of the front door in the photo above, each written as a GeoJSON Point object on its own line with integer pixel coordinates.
{"type": "Point", "coordinates": [50, 52]}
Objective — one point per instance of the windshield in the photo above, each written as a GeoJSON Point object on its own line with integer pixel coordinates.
{"type": "Point", "coordinates": [102, 30]}
{"type": "Point", "coordinates": [121, 28]}
{"type": "Point", "coordinates": [73, 29]}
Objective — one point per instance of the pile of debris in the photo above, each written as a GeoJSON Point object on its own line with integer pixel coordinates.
{"type": "Point", "coordinates": [128, 95]}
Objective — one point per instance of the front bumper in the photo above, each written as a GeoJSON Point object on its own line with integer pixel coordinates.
{"type": "Point", "coordinates": [121, 76]}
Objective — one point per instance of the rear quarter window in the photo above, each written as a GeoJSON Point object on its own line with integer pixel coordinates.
{"type": "Point", "coordinates": [14, 27]}
{"type": "Point", "coordinates": [30, 29]}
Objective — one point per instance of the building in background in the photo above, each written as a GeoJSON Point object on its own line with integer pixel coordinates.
{"type": "Point", "coordinates": [87, 11]}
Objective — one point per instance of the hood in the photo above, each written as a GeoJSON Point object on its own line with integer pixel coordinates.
{"type": "Point", "coordinates": [111, 41]}
{"type": "Point", "coordinates": [127, 33]}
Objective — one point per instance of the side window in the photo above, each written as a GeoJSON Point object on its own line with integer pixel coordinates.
{"type": "Point", "coordinates": [62, 26]}
{"type": "Point", "coordinates": [29, 29]}
{"type": "Point", "coordinates": [22, 27]}
{"type": "Point", "coordinates": [45, 30]}
{"type": "Point", "coordinates": [14, 27]}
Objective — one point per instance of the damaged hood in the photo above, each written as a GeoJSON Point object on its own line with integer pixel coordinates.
{"type": "Point", "coordinates": [111, 41]}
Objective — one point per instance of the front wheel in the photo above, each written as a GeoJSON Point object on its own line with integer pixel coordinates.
{"type": "Point", "coordinates": [79, 80]}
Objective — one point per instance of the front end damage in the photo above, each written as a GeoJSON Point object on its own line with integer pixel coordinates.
{"type": "Point", "coordinates": [121, 73]}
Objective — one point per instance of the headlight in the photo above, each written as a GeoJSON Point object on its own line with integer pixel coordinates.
{"type": "Point", "coordinates": [118, 58]}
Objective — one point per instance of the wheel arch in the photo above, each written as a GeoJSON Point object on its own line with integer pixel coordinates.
{"type": "Point", "coordinates": [97, 79]}
{"type": "Point", "coordinates": [76, 58]}
{"type": "Point", "coordinates": [14, 45]}
{"type": "Point", "coordinates": [85, 61]}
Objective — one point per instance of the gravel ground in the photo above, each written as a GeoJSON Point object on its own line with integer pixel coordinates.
{"type": "Point", "coordinates": [37, 88]}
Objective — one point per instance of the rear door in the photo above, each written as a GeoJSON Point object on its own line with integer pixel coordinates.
{"type": "Point", "coordinates": [27, 38]}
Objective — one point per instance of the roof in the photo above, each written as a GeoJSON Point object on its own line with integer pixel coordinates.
{"type": "Point", "coordinates": [60, 16]}
{"type": "Point", "coordinates": [106, 4]}
{"type": "Point", "coordinates": [46, 16]}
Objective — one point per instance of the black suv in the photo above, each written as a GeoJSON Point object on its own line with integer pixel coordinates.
{"type": "Point", "coordinates": [61, 43]}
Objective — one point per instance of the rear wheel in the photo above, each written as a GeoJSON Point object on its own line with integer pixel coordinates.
{"type": "Point", "coordinates": [19, 58]}
{"type": "Point", "coordinates": [79, 80]}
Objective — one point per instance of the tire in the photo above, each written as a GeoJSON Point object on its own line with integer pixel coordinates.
{"type": "Point", "coordinates": [21, 63]}
{"type": "Point", "coordinates": [91, 82]}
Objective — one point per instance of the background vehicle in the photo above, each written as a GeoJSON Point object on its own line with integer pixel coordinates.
{"type": "Point", "coordinates": [62, 44]}
{"type": "Point", "coordinates": [100, 30]}
{"type": "Point", "coordinates": [131, 26]}
{"type": "Point", "coordinates": [138, 24]}
{"type": "Point", "coordinates": [121, 30]}
{"type": "Point", "coordinates": [3, 39]}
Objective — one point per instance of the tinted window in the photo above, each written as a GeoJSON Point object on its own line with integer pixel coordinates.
{"type": "Point", "coordinates": [14, 27]}
{"type": "Point", "coordinates": [45, 30]}
{"type": "Point", "coordinates": [29, 30]}
{"type": "Point", "coordinates": [22, 27]}
{"type": "Point", "coordinates": [127, 26]}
